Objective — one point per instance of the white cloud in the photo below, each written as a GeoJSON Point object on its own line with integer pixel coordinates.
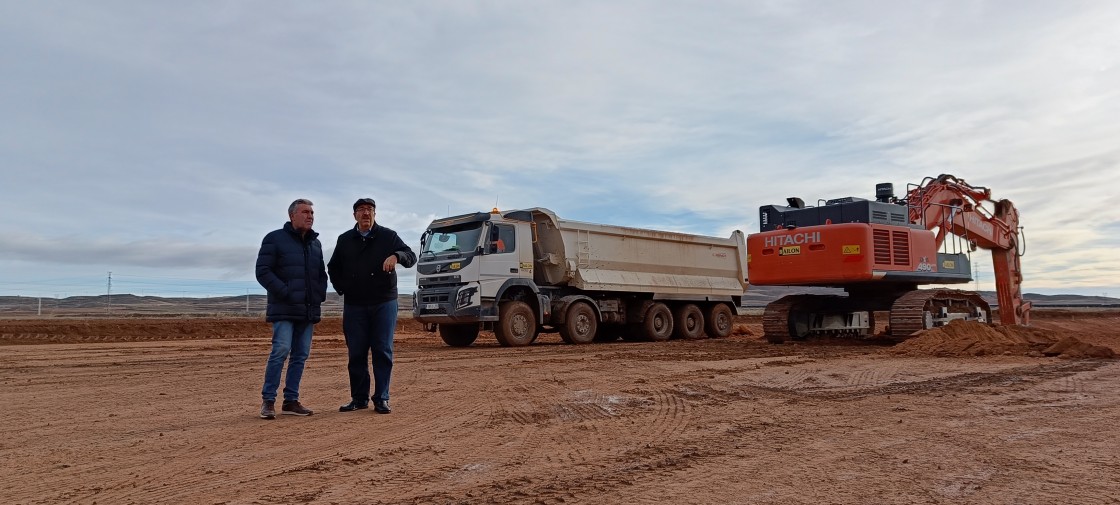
{"type": "Point", "coordinates": [167, 127]}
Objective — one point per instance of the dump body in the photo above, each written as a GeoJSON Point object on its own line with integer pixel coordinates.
{"type": "Point", "coordinates": [474, 270]}
{"type": "Point", "coordinates": [599, 257]}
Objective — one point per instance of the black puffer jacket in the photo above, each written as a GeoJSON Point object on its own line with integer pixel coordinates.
{"type": "Point", "coordinates": [290, 268]}
{"type": "Point", "coordinates": [356, 265]}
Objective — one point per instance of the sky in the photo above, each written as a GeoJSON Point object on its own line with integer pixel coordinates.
{"type": "Point", "coordinates": [147, 147]}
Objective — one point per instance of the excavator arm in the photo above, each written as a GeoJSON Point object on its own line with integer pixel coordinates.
{"type": "Point", "coordinates": [951, 205]}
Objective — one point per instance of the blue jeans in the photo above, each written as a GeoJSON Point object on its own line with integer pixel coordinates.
{"type": "Point", "coordinates": [291, 341]}
{"type": "Point", "coordinates": [369, 328]}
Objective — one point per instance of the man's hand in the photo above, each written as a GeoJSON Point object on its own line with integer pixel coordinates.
{"type": "Point", "coordinates": [390, 263]}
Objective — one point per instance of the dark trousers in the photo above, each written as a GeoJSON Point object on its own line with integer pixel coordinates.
{"type": "Point", "coordinates": [369, 330]}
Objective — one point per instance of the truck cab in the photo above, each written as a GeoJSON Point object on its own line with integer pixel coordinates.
{"type": "Point", "coordinates": [465, 263]}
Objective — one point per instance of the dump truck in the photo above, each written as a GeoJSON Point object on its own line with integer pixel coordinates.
{"type": "Point", "coordinates": [523, 272]}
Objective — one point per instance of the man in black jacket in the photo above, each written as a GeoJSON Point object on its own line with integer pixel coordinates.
{"type": "Point", "coordinates": [363, 270]}
{"type": "Point", "coordinates": [290, 267]}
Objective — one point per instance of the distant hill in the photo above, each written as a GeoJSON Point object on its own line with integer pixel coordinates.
{"type": "Point", "coordinates": [758, 296]}
{"type": "Point", "coordinates": [132, 305]}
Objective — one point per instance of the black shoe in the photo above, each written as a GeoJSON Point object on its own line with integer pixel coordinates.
{"type": "Point", "coordinates": [268, 409]}
{"type": "Point", "coordinates": [294, 408]}
{"type": "Point", "coordinates": [381, 407]}
{"type": "Point", "coordinates": [352, 406]}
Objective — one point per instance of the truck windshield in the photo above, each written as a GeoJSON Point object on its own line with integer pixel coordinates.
{"type": "Point", "coordinates": [454, 238]}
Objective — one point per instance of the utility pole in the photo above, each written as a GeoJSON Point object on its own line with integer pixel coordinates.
{"type": "Point", "coordinates": [246, 300]}
{"type": "Point", "coordinates": [109, 293]}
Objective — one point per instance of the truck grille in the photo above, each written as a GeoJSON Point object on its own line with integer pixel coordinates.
{"type": "Point", "coordinates": [440, 280]}
{"type": "Point", "coordinates": [438, 297]}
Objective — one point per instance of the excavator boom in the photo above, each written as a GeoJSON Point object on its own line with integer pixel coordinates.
{"type": "Point", "coordinates": [951, 205]}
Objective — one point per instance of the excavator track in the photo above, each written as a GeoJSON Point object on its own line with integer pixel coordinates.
{"type": "Point", "coordinates": [775, 319]}
{"type": "Point", "coordinates": [787, 318]}
{"type": "Point", "coordinates": [914, 311]}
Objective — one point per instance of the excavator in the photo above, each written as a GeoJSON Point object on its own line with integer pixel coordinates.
{"type": "Point", "coordinates": [879, 252]}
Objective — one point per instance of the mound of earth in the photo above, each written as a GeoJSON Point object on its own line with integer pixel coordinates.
{"type": "Point", "coordinates": [741, 329]}
{"type": "Point", "coordinates": [971, 338]}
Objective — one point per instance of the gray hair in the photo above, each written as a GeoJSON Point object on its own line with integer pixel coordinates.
{"type": "Point", "coordinates": [299, 201]}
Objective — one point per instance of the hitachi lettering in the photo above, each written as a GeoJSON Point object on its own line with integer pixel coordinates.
{"type": "Point", "coordinates": [793, 239]}
{"type": "Point", "coordinates": [984, 226]}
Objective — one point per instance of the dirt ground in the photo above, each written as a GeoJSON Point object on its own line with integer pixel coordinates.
{"type": "Point", "coordinates": [165, 411]}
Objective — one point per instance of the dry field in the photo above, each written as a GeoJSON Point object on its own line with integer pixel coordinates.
{"type": "Point", "coordinates": [164, 411]}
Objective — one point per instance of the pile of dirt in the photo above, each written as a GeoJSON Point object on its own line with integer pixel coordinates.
{"type": "Point", "coordinates": [741, 329]}
{"type": "Point", "coordinates": [971, 338]}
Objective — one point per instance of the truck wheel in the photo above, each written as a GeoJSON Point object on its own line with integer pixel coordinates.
{"type": "Point", "coordinates": [580, 326]}
{"type": "Point", "coordinates": [458, 335]}
{"type": "Point", "coordinates": [658, 326]}
{"type": "Point", "coordinates": [516, 324]}
{"type": "Point", "coordinates": [688, 322]}
{"type": "Point", "coordinates": [720, 321]}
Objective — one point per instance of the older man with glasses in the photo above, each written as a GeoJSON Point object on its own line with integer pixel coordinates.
{"type": "Point", "coordinates": [363, 270]}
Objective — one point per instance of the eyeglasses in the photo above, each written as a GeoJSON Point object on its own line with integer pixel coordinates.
{"type": "Point", "coordinates": [363, 209]}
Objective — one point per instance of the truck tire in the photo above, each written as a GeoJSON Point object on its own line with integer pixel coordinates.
{"type": "Point", "coordinates": [720, 321]}
{"type": "Point", "coordinates": [458, 335]}
{"type": "Point", "coordinates": [688, 322]}
{"type": "Point", "coordinates": [516, 325]}
{"type": "Point", "coordinates": [658, 325]}
{"type": "Point", "coordinates": [580, 325]}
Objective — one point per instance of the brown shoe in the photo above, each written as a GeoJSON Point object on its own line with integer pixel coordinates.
{"type": "Point", "coordinates": [268, 409]}
{"type": "Point", "coordinates": [294, 408]}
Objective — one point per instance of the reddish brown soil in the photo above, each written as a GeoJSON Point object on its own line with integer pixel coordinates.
{"type": "Point", "coordinates": [164, 411]}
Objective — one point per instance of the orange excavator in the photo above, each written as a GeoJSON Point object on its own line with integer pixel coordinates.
{"type": "Point", "coordinates": [879, 252]}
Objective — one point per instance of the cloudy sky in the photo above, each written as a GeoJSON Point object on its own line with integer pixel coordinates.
{"type": "Point", "coordinates": [161, 140]}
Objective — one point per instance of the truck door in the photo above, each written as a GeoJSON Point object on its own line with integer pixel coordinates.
{"type": "Point", "coordinates": [500, 261]}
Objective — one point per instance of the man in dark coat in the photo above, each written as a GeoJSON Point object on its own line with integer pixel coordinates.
{"type": "Point", "coordinates": [290, 267]}
{"type": "Point", "coordinates": [363, 270]}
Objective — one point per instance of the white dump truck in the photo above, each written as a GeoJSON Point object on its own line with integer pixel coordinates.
{"type": "Point", "coordinates": [523, 272]}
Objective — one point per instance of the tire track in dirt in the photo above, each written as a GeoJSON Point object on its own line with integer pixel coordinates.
{"type": "Point", "coordinates": [652, 457]}
{"type": "Point", "coordinates": [546, 408]}
{"type": "Point", "coordinates": [520, 422]}
{"type": "Point", "coordinates": [867, 383]}
{"type": "Point", "coordinates": [635, 469]}
{"type": "Point", "coordinates": [579, 424]}
{"type": "Point", "coordinates": [98, 424]}
{"type": "Point", "coordinates": [406, 440]}
{"type": "Point", "coordinates": [1015, 378]}
{"type": "Point", "coordinates": [426, 421]}
{"type": "Point", "coordinates": [539, 411]}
